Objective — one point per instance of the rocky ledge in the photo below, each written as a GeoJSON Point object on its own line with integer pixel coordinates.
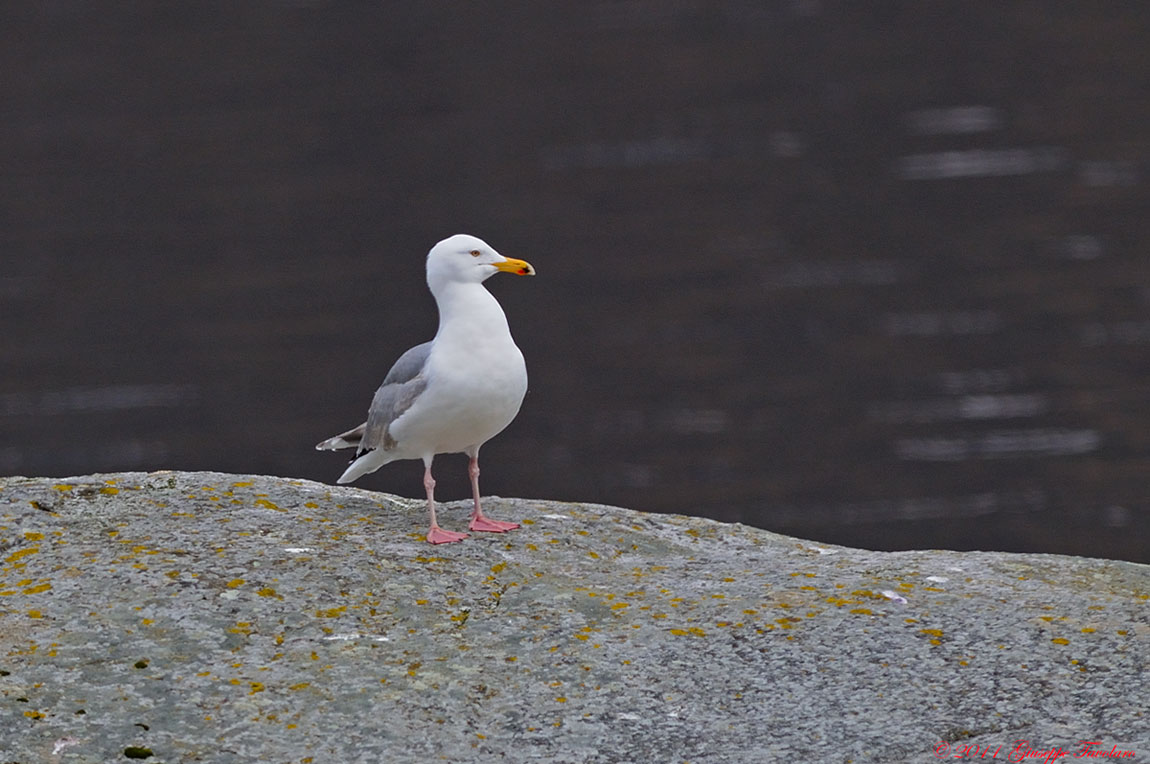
{"type": "Point", "coordinates": [206, 617]}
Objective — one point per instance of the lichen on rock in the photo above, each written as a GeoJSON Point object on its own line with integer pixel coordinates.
{"type": "Point", "coordinates": [216, 617]}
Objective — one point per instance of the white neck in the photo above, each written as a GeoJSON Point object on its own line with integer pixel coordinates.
{"type": "Point", "coordinates": [468, 310]}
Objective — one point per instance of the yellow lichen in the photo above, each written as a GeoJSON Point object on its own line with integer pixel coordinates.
{"type": "Point", "coordinates": [20, 553]}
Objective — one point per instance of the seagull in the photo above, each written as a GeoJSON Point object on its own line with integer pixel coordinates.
{"type": "Point", "coordinates": [454, 393]}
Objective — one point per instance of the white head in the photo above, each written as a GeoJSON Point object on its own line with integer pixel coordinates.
{"type": "Point", "coordinates": [468, 259]}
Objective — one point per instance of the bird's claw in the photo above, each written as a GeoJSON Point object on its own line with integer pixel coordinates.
{"type": "Point", "coordinates": [437, 535]}
{"type": "Point", "coordinates": [491, 526]}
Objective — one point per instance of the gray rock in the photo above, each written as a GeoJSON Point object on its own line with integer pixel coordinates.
{"type": "Point", "coordinates": [208, 617]}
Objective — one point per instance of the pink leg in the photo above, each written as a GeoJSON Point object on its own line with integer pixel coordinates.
{"type": "Point", "coordinates": [435, 534]}
{"type": "Point", "coordinates": [480, 521]}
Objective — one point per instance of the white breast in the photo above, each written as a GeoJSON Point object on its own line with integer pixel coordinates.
{"type": "Point", "coordinates": [476, 382]}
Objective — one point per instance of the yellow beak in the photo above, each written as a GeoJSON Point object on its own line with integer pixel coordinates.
{"type": "Point", "coordinates": [518, 267]}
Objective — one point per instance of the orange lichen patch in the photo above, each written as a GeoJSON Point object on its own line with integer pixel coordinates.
{"type": "Point", "coordinates": [33, 536]}
{"type": "Point", "coordinates": [334, 612]}
{"type": "Point", "coordinates": [268, 505]}
{"type": "Point", "coordinates": [1060, 641]}
{"type": "Point", "coordinates": [861, 611]}
{"type": "Point", "coordinates": [235, 583]}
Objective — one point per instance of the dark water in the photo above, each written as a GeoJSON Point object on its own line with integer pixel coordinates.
{"type": "Point", "coordinates": [875, 274]}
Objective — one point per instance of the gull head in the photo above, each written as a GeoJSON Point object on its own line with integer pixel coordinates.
{"type": "Point", "coordinates": [468, 259]}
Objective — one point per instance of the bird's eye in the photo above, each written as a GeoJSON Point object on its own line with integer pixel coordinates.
{"type": "Point", "coordinates": [475, 253]}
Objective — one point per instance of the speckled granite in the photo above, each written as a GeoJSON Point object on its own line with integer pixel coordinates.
{"type": "Point", "coordinates": [205, 617]}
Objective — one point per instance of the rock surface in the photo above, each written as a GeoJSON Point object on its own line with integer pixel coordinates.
{"type": "Point", "coordinates": [206, 617]}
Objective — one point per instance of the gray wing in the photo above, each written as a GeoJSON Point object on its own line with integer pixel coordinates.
{"type": "Point", "coordinates": [402, 385]}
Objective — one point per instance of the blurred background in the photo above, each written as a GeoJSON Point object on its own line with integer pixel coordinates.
{"type": "Point", "coordinates": [868, 273]}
